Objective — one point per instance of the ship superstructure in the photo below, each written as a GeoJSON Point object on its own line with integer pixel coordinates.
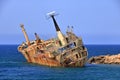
{"type": "Point", "coordinates": [64, 50]}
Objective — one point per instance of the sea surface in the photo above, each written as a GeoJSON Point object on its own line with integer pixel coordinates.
{"type": "Point", "coordinates": [13, 66]}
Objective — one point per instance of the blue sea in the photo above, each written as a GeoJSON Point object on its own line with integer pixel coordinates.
{"type": "Point", "coordinates": [13, 66]}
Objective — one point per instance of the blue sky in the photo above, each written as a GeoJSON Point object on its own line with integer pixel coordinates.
{"type": "Point", "coordinates": [96, 21]}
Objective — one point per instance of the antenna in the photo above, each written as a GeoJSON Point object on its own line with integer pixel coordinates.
{"type": "Point", "coordinates": [52, 14]}
{"type": "Point", "coordinates": [72, 28]}
{"type": "Point", "coordinates": [67, 29]}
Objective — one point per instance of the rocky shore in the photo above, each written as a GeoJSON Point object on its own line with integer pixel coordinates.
{"type": "Point", "coordinates": [105, 59]}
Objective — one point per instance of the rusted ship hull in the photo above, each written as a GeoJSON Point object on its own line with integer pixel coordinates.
{"type": "Point", "coordinates": [44, 59]}
{"type": "Point", "coordinates": [73, 58]}
{"type": "Point", "coordinates": [53, 63]}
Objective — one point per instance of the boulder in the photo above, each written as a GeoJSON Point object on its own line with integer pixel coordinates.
{"type": "Point", "coordinates": [105, 59]}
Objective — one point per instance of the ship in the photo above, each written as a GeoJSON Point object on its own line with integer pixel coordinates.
{"type": "Point", "coordinates": [65, 50]}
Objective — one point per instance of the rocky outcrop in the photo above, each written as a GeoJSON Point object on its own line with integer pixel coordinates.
{"type": "Point", "coordinates": [105, 59]}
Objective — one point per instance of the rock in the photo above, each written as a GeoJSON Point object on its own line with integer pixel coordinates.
{"type": "Point", "coordinates": [105, 59]}
{"type": "Point", "coordinates": [96, 59]}
{"type": "Point", "coordinates": [91, 60]}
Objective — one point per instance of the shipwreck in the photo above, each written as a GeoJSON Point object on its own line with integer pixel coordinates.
{"type": "Point", "coordinates": [63, 51]}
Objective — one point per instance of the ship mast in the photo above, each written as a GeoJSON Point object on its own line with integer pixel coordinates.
{"type": "Point", "coordinates": [61, 37]}
{"type": "Point", "coordinates": [38, 40]}
{"type": "Point", "coordinates": [25, 34]}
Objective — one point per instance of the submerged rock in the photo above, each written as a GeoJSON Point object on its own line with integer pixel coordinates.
{"type": "Point", "coordinates": [105, 59]}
